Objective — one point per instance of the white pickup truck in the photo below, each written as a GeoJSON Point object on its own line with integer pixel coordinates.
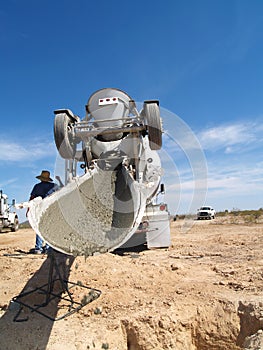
{"type": "Point", "coordinates": [206, 213]}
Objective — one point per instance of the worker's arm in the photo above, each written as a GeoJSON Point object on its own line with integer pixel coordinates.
{"type": "Point", "coordinates": [30, 198]}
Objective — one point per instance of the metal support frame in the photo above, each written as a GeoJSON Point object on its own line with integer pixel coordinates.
{"type": "Point", "coordinates": [48, 290]}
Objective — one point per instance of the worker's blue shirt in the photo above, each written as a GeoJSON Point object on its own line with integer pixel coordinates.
{"type": "Point", "coordinates": [43, 189]}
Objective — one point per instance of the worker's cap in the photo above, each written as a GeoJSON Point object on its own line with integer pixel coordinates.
{"type": "Point", "coordinates": [44, 176]}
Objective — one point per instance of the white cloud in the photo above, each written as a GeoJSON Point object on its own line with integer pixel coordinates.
{"type": "Point", "coordinates": [20, 152]}
{"type": "Point", "coordinates": [232, 137]}
{"type": "Point", "coordinates": [234, 182]}
{"type": "Point", "coordinates": [8, 182]}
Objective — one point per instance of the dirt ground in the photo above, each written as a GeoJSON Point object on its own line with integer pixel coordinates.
{"type": "Point", "coordinates": [202, 293]}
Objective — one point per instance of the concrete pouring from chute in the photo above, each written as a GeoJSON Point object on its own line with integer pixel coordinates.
{"type": "Point", "coordinates": [115, 200]}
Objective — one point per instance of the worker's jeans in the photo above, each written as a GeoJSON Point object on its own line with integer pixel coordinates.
{"type": "Point", "coordinates": [39, 244]}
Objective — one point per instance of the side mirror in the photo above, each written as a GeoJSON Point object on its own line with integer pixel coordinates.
{"type": "Point", "coordinates": [162, 190]}
{"type": "Point", "coordinates": [13, 202]}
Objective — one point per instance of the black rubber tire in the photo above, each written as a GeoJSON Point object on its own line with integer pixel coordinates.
{"type": "Point", "coordinates": [15, 226]}
{"type": "Point", "coordinates": [63, 137]}
{"type": "Point", "coordinates": [153, 123]}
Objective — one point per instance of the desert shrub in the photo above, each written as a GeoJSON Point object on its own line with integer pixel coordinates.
{"type": "Point", "coordinates": [24, 224]}
{"type": "Point", "coordinates": [247, 216]}
{"type": "Point", "coordinates": [222, 213]}
{"type": "Point", "coordinates": [235, 216]}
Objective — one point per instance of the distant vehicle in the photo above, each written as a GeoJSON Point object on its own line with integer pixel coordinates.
{"type": "Point", "coordinates": [8, 218]}
{"type": "Point", "coordinates": [206, 213]}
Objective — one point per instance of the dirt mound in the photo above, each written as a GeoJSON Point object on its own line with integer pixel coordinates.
{"type": "Point", "coordinates": [203, 293]}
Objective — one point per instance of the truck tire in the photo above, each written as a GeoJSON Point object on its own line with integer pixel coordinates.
{"type": "Point", "coordinates": [63, 136]}
{"type": "Point", "coordinates": [15, 226]}
{"type": "Point", "coordinates": [153, 123]}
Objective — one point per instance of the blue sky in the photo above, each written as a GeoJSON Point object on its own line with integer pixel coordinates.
{"type": "Point", "coordinates": [201, 59]}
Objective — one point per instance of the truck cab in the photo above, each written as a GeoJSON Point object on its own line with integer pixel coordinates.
{"type": "Point", "coordinates": [8, 217]}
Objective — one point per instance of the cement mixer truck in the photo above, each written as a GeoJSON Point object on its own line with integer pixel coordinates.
{"type": "Point", "coordinates": [115, 202]}
{"type": "Point", "coordinates": [8, 218]}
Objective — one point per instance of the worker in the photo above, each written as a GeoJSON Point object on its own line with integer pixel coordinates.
{"type": "Point", "coordinates": [42, 189]}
